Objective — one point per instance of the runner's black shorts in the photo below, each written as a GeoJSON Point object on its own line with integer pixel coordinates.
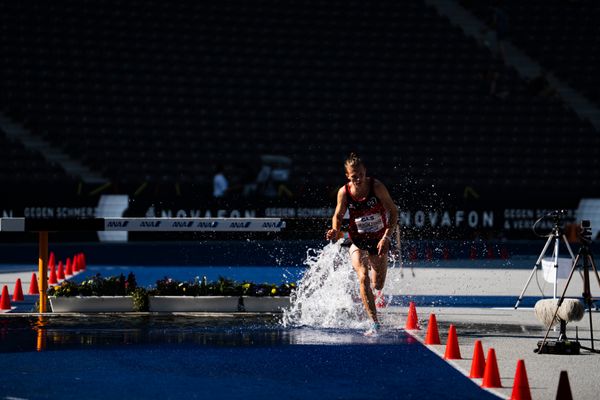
{"type": "Point", "coordinates": [369, 245]}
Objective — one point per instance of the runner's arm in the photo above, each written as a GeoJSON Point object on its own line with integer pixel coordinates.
{"type": "Point", "coordinates": [338, 215]}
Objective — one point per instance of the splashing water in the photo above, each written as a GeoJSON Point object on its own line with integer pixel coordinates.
{"type": "Point", "coordinates": [327, 296]}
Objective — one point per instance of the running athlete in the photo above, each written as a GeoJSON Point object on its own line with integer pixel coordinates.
{"type": "Point", "coordinates": [373, 218]}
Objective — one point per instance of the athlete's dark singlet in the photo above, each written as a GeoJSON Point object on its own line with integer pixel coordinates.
{"type": "Point", "coordinates": [368, 219]}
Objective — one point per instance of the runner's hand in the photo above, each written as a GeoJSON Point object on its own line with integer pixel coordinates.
{"type": "Point", "coordinates": [332, 234]}
{"type": "Point", "coordinates": [383, 246]}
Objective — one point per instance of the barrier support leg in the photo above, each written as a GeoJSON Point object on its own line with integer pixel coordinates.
{"type": "Point", "coordinates": [43, 269]}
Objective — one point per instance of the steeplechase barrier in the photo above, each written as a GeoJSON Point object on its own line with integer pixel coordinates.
{"type": "Point", "coordinates": [43, 226]}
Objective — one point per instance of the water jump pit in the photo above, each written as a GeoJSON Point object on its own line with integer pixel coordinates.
{"type": "Point", "coordinates": [192, 356]}
{"type": "Point", "coordinates": [314, 347]}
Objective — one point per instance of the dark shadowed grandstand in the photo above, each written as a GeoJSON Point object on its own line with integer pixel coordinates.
{"type": "Point", "coordinates": [147, 97]}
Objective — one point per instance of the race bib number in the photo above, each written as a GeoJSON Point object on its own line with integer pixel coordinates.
{"type": "Point", "coordinates": [369, 223]}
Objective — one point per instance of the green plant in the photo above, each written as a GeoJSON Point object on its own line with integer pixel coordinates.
{"type": "Point", "coordinates": [220, 287]}
{"type": "Point", "coordinates": [96, 286]}
{"type": "Point", "coordinates": [267, 289]}
{"type": "Point", "coordinates": [121, 286]}
{"type": "Point", "coordinates": [140, 299]}
{"type": "Point", "coordinates": [65, 289]}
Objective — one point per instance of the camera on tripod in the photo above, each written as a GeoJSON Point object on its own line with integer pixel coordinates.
{"type": "Point", "coordinates": [585, 232]}
{"type": "Point", "coordinates": [573, 310]}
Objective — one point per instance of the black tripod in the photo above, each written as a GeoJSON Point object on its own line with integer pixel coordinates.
{"type": "Point", "coordinates": [556, 235]}
{"type": "Point", "coordinates": [584, 255]}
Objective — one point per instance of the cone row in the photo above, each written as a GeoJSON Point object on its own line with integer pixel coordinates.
{"type": "Point", "coordinates": [63, 271]}
{"type": "Point", "coordinates": [487, 368]}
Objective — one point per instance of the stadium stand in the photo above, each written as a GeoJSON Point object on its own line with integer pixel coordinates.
{"type": "Point", "coordinates": [149, 91]}
{"type": "Point", "coordinates": [562, 35]}
{"type": "Point", "coordinates": [19, 165]}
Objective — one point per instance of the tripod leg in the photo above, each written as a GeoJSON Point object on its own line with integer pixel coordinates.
{"type": "Point", "coordinates": [595, 270]}
{"type": "Point", "coordinates": [589, 304]}
{"type": "Point", "coordinates": [525, 287]}
{"type": "Point", "coordinates": [587, 293]}
{"type": "Point", "coordinates": [570, 252]}
{"type": "Point", "coordinates": [568, 247]}
{"type": "Point", "coordinates": [559, 303]}
{"type": "Point", "coordinates": [555, 268]}
{"type": "Point", "coordinates": [537, 263]}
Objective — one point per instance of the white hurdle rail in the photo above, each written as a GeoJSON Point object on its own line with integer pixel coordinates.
{"type": "Point", "coordinates": [43, 226]}
{"type": "Point", "coordinates": [143, 224]}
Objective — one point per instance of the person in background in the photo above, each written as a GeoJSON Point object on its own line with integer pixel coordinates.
{"type": "Point", "coordinates": [220, 183]}
{"type": "Point", "coordinates": [373, 219]}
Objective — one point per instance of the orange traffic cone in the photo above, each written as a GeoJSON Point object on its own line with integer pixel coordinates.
{"type": "Point", "coordinates": [33, 285]}
{"type": "Point", "coordinates": [452, 349]}
{"type": "Point", "coordinates": [75, 263]}
{"type": "Point", "coordinates": [18, 293]}
{"type": "Point", "coordinates": [51, 259]}
{"type": "Point", "coordinates": [60, 273]}
{"type": "Point", "coordinates": [433, 336]}
{"type": "Point", "coordinates": [83, 264]}
{"type": "Point", "coordinates": [478, 363]}
{"type": "Point", "coordinates": [69, 268]}
{"type": "Point", "coordinates": [521, 384]}
{"type": "Point", "coordinates": [5, 301]}
{"type": "Point", "coordinates": [564, 389]}
{"type": "Point", "coordinates": [491, 375]}
{"type": "Point", "coordinates": [52, 280]}
{"type": "Point", "coordinates": [412, 322]}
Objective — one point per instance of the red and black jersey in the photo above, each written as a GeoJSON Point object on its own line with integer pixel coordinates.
{"type": "Point", "coordinates": [368, 216]}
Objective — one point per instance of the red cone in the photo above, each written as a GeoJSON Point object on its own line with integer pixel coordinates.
{"type": "Point", "coordinates": [75, 263]}
{"type": "Point", "coordinates": [521, 384]}
{"type": "Point", "coordinates": [18, 293]}
{"type": "Point", "coordinates": [433, 336]}
{"type": "Point", "coordinates": [33, 285]}
{"type": "Point", "coordinates": [5, 301]}
{"type": "Point", "coordinates": [491, 375]}
{"type": "Point", "coordinates": [452, 348]}
{"type": "Point", "coordinates": [478, 363]}
{"type": "Point", "coordinates": [60, 274]}
{"type": "Point", "coordinates": [446, 253]}
{"type": "Point", "coordinates": [51, 260]}
{"type": "Point", "coordinates": [83, 264]}
{"type": "Point", "coordinates": [69, 268]}
{"type": "Point", "coordinates": [564, 389]}
{"type": "Point", "coordinates": [52, 280]}
{"type": "Point", "coordinates": [412, 322]}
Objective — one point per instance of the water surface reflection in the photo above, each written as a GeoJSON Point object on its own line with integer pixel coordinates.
{"type": "Point", "coordinates": [47, 333]}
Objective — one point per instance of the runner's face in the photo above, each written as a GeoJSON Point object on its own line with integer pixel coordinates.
{"type": "Point", "coordinates": [356, 175]}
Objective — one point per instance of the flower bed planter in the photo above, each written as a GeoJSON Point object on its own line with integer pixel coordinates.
{"type": "Point", "coordinates": [266, 304]}
{"type": "Point", "coordinates": [123, 295]}
{"type": "Point", "coordinates": [91, 304]}
{"type": "Point", "coordinates": [217, 303]}
{"type": "Point", "coordinates": [194, 303]}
